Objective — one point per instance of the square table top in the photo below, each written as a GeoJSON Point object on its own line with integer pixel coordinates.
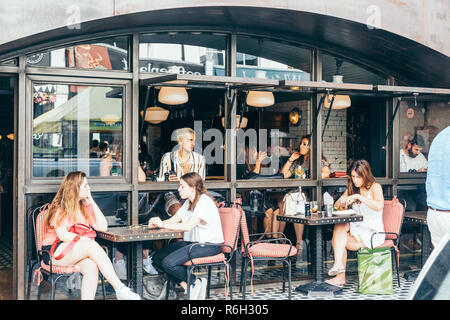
{"type": "Point", "coordinates": [320, 220]}
{"type": "Point", "coordinates": [137, 233]}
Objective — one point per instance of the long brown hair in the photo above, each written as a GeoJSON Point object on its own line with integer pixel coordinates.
{"type": "Point", "coordinates": [194, 180]}
{"type": "Point", "coordinates": [66, 202]}
{"type": "Point", "coordinates": [362, 168]}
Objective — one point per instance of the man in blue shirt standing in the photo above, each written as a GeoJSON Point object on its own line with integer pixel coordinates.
{"type": "Point", "coordinates": [438, 187]}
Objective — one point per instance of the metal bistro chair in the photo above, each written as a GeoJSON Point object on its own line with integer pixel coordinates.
{"type": "Point", "coordinates": [50, 272]}
{"type": "Point", "coordinates": [263, 250]}
{"type": "Point", "coordinates": [393, 212]}
{"type": "Point", "coordinates": [230, 218]}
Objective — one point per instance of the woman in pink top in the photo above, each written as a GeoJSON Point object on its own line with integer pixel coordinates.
{"type": "Point", "coordinates": [72, 204]}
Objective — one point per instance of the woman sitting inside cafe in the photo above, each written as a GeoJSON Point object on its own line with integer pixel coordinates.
{"type": "Point", "coordinates": [199, 218]}
{"type": "Point", "coordinates": [365, 196]}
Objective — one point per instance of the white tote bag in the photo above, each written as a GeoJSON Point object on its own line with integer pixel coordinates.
{"type": "Point", "coordinates": [290, 203]}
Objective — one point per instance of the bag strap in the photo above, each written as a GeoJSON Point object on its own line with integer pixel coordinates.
{"type": "Point", "coordinates": [66, 249]}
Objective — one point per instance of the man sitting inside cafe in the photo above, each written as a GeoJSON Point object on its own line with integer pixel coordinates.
{"type": "Point", "coordinates": [411, 156]}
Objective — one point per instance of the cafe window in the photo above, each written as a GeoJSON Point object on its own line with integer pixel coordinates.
{"type": "Point", "coordinates": [271, 135]}
{"type": "Point", "coordinates": [77, 127]}
{"type": "Point", "coordinates": [270, 59]}
{"type": "Point", "coordinates": [101, 54]}
{"type": "Point", "coordinates": [356, 130]}
{"type": "Point", "coordinates": [181, 138]}
{"type": "Point", "coordinates": [420, 121]}
{"type": "Point", "coordinates": [196, 53]}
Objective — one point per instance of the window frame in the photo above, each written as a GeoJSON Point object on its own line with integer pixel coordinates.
{"type": "Point", "coordinates": [126, 131]}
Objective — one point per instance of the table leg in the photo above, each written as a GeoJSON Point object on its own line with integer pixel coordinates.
{"type": "Point", "coordinates": [426, 244]}
{"type": "Point", "coordinates": [137, 267]}
{"type": "Point", "coordinates": [318, 287]}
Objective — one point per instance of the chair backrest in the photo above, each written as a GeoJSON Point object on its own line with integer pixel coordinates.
{"type": "Point", "coordinates": [38, 216]}
{"type": "Point", "coordinates": [230, 218]}
{"type": "Point", "coordinates": [393, 212]}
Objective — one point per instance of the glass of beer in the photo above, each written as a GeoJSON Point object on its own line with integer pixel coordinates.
{"type": "Point", "coordinates": [314, 207]}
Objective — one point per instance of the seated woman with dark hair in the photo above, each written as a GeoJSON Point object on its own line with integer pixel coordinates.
{"type": "Point", "coordinates": [199, 218]}
{"type": "Point", "coordinates": [366, 197]}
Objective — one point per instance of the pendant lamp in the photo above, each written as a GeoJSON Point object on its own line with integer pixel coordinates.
{"type": "Point", "coordinates": [110, 119]}
{"type": "Point", "coordinates": [340, 101]}
{"type": "Point", "coordinates": [260, 99]}
{"type": "Point", "coordinates": [155, 115]}
{"type": "Point", "coordinates": [173, 95]}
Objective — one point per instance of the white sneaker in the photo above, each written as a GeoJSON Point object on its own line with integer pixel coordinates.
{"type": "Point", "coordinates": [121, 268]}
{"type": "Point", "coordinates": [148, 266]}
{"type": "Point", "coordinates": [124, 293]}
{"type": "Point", "coordinates": [204, 284]}
{"type": "Point", "coordinates": [195, 290]}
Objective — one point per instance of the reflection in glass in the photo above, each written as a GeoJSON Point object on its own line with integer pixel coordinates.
{"type": "Point", "coordinates": [270, 59]}
{"type": "Point", "coordinates": [104, 54]}
{"type": "Point", "coordinates": [182, 52]}
{"type": "Point", "coordinates": [77, 128]}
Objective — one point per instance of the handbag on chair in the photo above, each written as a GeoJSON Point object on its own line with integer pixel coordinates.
{"type": "Point", "coordinates": [375, 271]}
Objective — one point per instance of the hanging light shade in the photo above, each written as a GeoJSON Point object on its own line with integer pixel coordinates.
{"type": "Point", "coordinates": [155, 115]}
{"type": "Point", "coordinates": [238, 117]}
{"type": "Point", "coordinates": [260, 99]}
{"type": "Point", "coordinates": [10, 136]}
{"type": "Point", "coordinates": [340, 101]}
{"type": "Point", "coordinates": [110, 119]}
{"type": "Point", "coordinates": [173, 95]}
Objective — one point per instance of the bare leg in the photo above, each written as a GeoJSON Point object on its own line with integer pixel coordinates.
{"type": "Point", "coordinates": [298, 227]}
{"type": "Point", "coordinates": [351, 244]}
{"type": "Point", "coordinates": [89, 270]}
{"type": "Point", "coordinates": [268, 219]}
{"type": "Point", "coordinates": [339, 243]}
{"type": "Point", "coordinates": [89, 249]}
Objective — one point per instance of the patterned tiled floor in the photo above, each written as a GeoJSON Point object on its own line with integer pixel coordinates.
{"type": "Point", "coordinates": [267, 280]}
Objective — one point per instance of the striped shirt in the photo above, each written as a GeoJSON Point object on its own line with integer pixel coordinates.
{"type": "Point", "coordinates": [196, 160]}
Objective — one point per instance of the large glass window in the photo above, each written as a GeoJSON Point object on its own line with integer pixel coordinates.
{"type": "Point", "coordinates": [270, 59]}
{"type": "Point", "coordinates": [77, 127]}
{"type": "Point", "coordinates": [357, 131]}
{"type": "Point", "coordinates": [102, 54]}
{"type": "Point", "coordinates": [177, 139]}
{"type": "Point", "coordinates": [182, 52]}
{"type": "Point", "coordinates": [420, 121]}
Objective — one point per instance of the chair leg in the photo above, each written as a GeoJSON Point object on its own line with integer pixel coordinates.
{"type": "Point", "coordinates": [168, 283]}
{"type": "Point", "coordinates": [188, 296]}
{"type": "Point", "coordinates": [397, 267]}
{"type": "Point", "coordinates": [208, 286]}
{"type": "Point", "coordinates": [242, 271]}
{"type": "Point", "coordinates": [244, 279]}
{"type": "Point", "coordinates": [284, 276]}
{"type": "Point", "coordinates": [39, 292]}
{"type": "Point", "coordinates": [289, 279]}
{"type": "Point", "coordinates": [230, 278]}
{"type": "Point", "coordinates": [53, 289]}
{"type": "Point", "coordinates": [103, 286]}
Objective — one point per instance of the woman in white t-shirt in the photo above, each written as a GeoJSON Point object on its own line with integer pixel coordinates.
{"type": "Point", "coordinates": [199, 219]}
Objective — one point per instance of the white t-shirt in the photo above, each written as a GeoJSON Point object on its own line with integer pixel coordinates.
{"type": "Point", "coordinates": [207, 211]}
{"type": "Point", "coordinates": [407, 163]}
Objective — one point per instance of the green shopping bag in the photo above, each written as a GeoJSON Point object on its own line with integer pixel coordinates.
{"type": "Point", "coordinates": [375, 271]}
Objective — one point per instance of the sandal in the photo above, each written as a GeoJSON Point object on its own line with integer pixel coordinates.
{"type": "Point", "coordinates": [336, 270]}
{"type": "Point", "coordinates": [339, 285]}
